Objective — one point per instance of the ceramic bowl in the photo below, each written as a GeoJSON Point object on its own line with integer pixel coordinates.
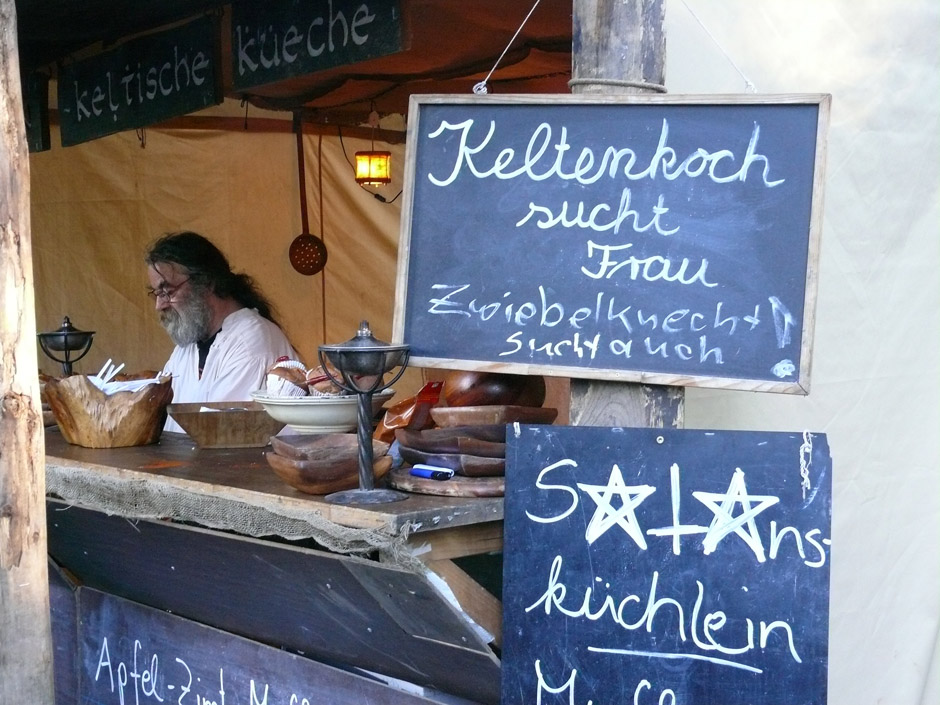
{"type": "Point", "coordinates": [336, 414]}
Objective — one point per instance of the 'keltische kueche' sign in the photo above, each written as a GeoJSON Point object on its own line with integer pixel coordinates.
{"type": "Point", "coordinates": [651, 566]}
{"type": "Point", "coordinates": [665, 239]}
{"type": "Point", "coordinates": [277, 39]}
{"type": "Point", "coordinates": [141, 82]}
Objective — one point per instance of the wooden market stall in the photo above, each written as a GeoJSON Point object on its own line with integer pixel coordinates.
{"type": "Point", "coordinates": [189, 546]}
{"type": "Point", "coordinates": [64, 55]}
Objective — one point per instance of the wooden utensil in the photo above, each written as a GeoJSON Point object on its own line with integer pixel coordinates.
{"type": "Point", "coordinates": [447, 443]}
{"type": "Point", "coordinates": [485, 432]}
{"type": "Point", "coordinates": [327, 463]}
{"type": "Point", "coordinates": [457, 486]}
{"type": "Point", "coordinates": [317, 447]}
{"type": "Point", "coordinates": [468, 465]}
{"type": "Point", "coordinates": [470, 415]}
{"type": "Point", "coordinates": [307, 252]}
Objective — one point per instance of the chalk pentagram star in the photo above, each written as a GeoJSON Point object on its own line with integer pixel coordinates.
{"type": "Point", "coordinates": [724, 523]}
{"type": "Point", "coordinates": [606, 516]}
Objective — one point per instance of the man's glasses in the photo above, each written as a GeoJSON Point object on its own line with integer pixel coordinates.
{"type": "Point", "coordinates": [165, 293]}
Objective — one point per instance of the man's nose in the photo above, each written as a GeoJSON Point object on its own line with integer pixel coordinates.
{"type": "Point", "coordinates": [162, 303]}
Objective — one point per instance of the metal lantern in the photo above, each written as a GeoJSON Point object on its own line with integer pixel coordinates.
{"type": "Point", "coordinates": [67, 340]}
{"type": "Point", "coordinates": [362, 363]}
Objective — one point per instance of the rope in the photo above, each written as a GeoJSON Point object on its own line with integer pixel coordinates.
{"type": "Point", "coordinates": [620, 83]}
{"type": "Point", "coordinates": [480, 88]}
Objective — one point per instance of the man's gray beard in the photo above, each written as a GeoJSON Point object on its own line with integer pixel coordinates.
{"type": "Point", "coordinates": [190, 322]}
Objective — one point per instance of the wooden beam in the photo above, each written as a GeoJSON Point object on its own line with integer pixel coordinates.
{"type": "Point", "coordinates": [265, 124]}
{"type": "Point", "coordinates": [25, 632]}
{"type": "Point", "coordinates": [459, 541]}
{"type": "Point", "coordinates": [621, 48]}
{"type": "Point", "coordinates": [483, 607]}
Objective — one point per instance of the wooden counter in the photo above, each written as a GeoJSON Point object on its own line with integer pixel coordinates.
{"type": "Point", "coordinates": [234, 490]}
{"type": "Point", "coordinates": [242, 478]}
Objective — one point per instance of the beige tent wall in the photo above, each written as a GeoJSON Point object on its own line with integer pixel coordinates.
{"type": "Point", "coordinates": [876, 372]}
{"type": "Point", "coordinates": [97, 206]}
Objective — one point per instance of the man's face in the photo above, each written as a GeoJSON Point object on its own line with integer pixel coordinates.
{"type": "Point", "coordinates": [182, 306]}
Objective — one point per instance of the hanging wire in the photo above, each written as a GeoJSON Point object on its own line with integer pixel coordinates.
{"type": "Point", "coordinates": [749, 86]}
{"type": "Point", "coordinates": [480, 88]}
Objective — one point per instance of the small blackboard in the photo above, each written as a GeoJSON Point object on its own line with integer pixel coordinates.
{"type": "Point", "coordinates": [667, 240]}
{"type": "Point", "coordinates": [136, 654]}
{"type": "Point", "coordinates": [141, 82]}
{"type": "Point", "coordinates": [666, 566]}
{"type": "Point", "coordinates": [277, 39]}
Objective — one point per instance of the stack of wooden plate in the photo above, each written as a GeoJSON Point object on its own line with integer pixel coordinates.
{"type": "Point", "coordinates": [471, 441]}
{"type": "Point", "coordinates": [323, 463]}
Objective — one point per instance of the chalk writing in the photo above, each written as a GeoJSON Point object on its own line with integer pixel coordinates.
{"type": "Point", "coordinates": [143, 679]}
{"type": "Point", "coordinates": [140, 82]}
{"type": "Point", "coordinates": [663, 557]}
{"type": "Point", "coordinates": [278, 39]}
{"type": "Point", "coordinates": [600, 220]}
{"type": "Point", "coordinates": [616, 161]}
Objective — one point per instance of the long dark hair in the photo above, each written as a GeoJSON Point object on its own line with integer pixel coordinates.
{"type": "Point", "coordinates": [207, 266]}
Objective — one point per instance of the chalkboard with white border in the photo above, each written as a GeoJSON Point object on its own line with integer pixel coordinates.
{"type": "Point", "coordinates": [656, 239]}
{"type": "Point", "coordinates": [666, 566]}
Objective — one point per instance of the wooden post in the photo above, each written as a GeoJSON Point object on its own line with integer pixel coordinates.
{"type": "Point", "coordinates": [619, 46]}
{"type": "Point", "coordinates": [25, 633]}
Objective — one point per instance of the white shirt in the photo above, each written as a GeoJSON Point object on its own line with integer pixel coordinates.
{"type": "Point", "coordinates": [237, 364]}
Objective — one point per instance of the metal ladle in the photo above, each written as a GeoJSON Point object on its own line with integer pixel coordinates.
{"type": "Point", "coordinates": [307, 252]}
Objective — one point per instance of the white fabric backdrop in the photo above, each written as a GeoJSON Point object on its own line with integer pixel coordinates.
{"type": "Point", "coordinates": [876, 372]}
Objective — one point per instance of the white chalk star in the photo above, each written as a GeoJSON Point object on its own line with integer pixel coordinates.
{"type": "Point", "coordinates": [607, 516]}
{"type": "Point", "coordinates": [724, 523]}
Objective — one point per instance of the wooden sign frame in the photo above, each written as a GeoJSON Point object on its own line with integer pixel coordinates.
{"type": "Point", "coordinates": [437, 235]}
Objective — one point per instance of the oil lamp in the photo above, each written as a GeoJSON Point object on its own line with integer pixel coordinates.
{"type": "Point", "coordinates": [362, 363]}
{"type": "Point", "coordinates": [67, 340]}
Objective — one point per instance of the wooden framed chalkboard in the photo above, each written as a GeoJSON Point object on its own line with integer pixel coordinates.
{"type": "Point", "coordinates": [656, 239]}
{"type": "Point", "coordinates": [666, 566]}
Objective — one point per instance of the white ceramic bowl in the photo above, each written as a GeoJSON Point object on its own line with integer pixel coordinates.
{"type": "Point", "coordinates": [318, 414]}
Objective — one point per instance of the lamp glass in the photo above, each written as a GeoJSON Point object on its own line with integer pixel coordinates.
{"type": "Point", "coordinates": [373, 167]}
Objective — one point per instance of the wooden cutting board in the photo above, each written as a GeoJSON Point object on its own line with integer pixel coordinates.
{"type": "Point", "coordinates": [457, 486]}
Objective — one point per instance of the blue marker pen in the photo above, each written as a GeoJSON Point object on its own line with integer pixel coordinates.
{"type": "Point", "coordinates": [432, 472]}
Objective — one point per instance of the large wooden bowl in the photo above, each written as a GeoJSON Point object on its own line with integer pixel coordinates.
{"type": "Point", "coordinates": [226, 424]}
{"type": "Point", "coordinates": [324, 463]}
{"type": "Point", "coordinates": [88, 417]}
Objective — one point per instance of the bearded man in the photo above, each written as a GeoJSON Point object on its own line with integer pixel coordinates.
{"type": "Point", "coordinates": [224, 328]}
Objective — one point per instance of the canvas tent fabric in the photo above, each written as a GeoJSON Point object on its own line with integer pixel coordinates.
{"type": "Point", "coordinates": [876, 367]}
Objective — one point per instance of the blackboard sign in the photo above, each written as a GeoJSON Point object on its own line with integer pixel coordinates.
{"type": "Point", "coordinates": [135, 654]}
{"type": "Point", "coordinates": [277, 39]}
{"type": "Point", "coordinates": [655, 566]}
{"type": "Point", "coordinates": [141, 82]}
{"type": "Point", "coordinates": [36, 110]}
{"type": "Point", "coordinates": [668, 240]}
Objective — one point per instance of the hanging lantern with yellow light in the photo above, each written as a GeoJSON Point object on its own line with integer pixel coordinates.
{"type": "Point", "coordinates": [373, 167]}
